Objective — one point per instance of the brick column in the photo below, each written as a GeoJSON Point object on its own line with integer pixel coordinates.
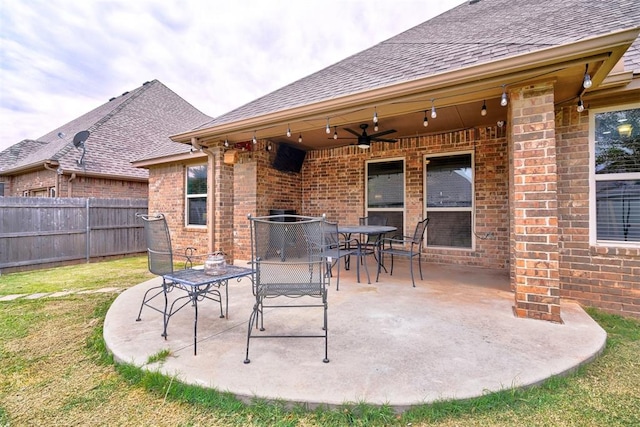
{"type": "Point", "coordinates": [534, 203]}
{"type": "Point", "coordinates": [220, 181]}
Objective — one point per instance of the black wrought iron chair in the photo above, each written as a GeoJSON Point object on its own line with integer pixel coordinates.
{"type": "Point", "coordinates": [334, 249]}
{"type": "Point", "coordinates": [407, 246]}
{"type": "Point", "coordinates": [369, 243]}
{"type": "Point", "coordinates": [161, 262]}
{"type": "Point", "coordinates": [287, 263]}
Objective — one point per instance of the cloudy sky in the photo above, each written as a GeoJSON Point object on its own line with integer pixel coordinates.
{"type": "Point", "coordinates": [61, 58]}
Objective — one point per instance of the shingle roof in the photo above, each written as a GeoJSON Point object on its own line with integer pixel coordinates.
{"type": "Point", "coordinates": [134, 125]}
{"type": "Point", "coordinates": [469, 34]}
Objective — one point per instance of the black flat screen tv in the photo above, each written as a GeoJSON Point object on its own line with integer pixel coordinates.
{"type": "Point", "coordinates": [288, 158]}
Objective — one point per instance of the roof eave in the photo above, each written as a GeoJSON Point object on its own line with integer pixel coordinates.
{"type": "Point", "coordinates": [607, 49]}
{"type": "Point", "coordinates": [183, 157]}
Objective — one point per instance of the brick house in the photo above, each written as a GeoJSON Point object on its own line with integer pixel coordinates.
{"type": "Point", "coordinates": [533, 107]}
{"type": "Point", "coordinates": [121, 130]}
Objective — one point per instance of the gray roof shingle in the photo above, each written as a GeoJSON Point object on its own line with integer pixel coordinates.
{"type": "Point", "coordinates": [467, 35]}
{"type": "Point", "coordinates": [135, 125]}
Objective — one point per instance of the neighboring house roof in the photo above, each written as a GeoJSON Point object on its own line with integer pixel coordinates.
{"type": "Point", "coordinates": [133, 125]}
{"type": "Point", "coordinates": [473, 33]}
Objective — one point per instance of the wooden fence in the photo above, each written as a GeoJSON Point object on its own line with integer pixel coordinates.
{"type": "Point", "coordinates": [36, 232]}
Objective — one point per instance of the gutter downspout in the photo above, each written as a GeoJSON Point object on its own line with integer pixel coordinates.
{"type": "Point", "coordinates": [71, 178]}
{"type": "Point", "coordinates": [49, 168]}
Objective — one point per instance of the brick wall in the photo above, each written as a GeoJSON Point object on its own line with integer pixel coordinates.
{"type": "Point", "coordinates": [333, 183]}
{"type": "Point", "coordinates": [603, 277]}
{"type": "Point", "coordinates": [166, 195]}
{"type": "Point", "coordinates": [80, 186]}
{"type": "Point", "coordinates": [534, 206]}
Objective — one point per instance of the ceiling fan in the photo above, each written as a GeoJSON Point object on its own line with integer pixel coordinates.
{"type": "Point", "coordinates": [364, 139]}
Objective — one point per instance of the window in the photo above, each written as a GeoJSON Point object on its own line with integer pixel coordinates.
{"type": "Point", "coordinates": [615, 175]}
{"type": "Point", "coordinates": [449, 200]}
{"type": "Point", "coordinates": [385, 191]}
{"type": "Point", "coordinates": [196, 195]}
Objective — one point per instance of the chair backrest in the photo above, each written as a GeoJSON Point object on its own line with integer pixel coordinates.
{"type": "Point", "coordinates": [156, 234]}
{"type": "Point", "coordinates": [418, 234]}
{"type": "Point", "coordinates": [286, 254]}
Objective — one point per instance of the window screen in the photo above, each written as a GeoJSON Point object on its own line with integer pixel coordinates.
{"type": "Point", "coordinates": [196, 195]}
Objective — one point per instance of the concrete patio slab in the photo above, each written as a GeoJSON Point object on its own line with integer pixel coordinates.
{"type": "Point", "coordinates": [454, 336]}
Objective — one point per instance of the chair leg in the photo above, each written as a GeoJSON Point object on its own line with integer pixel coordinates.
{"type": "Point", "coordinates": [326, 334]}
{"type": "Point", "coordinates": [410, 269]}
{"type": "Point", "coordinates": [253, 318]}
{"type": "Point", "coordinates": [420, 266]}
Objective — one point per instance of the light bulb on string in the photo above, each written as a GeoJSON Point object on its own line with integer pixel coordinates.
{"type": "Point", "coordinates": [254, 140]}
{"type": "Point", "coordinates": [328, 128]}
{"type": "Point", "coordinates": [375, 116]}
{"type": "Point", "coordinates": [425, 122]}
{"type": "Point", "coordinates": [483, 110]}
{"type": "Point", "coordinates": [434, 114]}
{"type": "Point", "coordinates": [503, 100]}
{"type": "Point", "coordinates": [580, 105]}
{"type": "Point", "coordinates": [300, 138]}
{"type": "Point", "coordinates": [586, 82]}
{"type": "Point", "coordinates": [335, 132]}
{"type": "Point", "coordinates": [288, 132]}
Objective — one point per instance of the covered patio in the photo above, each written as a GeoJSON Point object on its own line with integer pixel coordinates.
{"type": "Point", "coordinates": [454, 336]}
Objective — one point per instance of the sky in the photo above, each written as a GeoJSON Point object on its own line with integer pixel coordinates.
{"type": "Point", "coordinates": [62, 58]}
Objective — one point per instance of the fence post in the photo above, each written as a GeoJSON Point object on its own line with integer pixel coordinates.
{"type": "Point", "coordinates": [88, 245]}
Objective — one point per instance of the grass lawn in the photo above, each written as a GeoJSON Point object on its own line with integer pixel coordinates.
{"type": "Point", "coordinates": [54, 370]}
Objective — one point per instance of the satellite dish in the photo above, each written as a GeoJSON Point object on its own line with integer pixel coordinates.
{"type": "Point", "coordinates": [80, 138]}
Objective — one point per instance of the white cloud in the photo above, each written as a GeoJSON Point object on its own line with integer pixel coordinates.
{"type": "Point", "coordinates": [62, 58]}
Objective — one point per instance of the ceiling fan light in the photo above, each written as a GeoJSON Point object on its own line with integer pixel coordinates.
{"type": "Point", "coordinates": [363, 146]}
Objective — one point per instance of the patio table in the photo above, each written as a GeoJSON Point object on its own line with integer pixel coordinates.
{"type": "Point", "coordinates": [348, 230]}
{"type": "Point", "coordinates": [200, 285]}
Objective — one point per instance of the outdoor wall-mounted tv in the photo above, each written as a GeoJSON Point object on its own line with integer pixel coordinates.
{"type": "Point", "coordinates": [288, 158]}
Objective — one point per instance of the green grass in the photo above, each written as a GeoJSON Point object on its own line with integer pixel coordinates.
{"type": "Point", "coordinates": [120, 273]}
{"type": "Point", "coordinates": [55, 370]}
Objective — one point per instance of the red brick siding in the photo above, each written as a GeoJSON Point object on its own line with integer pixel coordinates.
{"type": "Point", "coordinates": [603, 277]}
{"type": "Point", "coordinates": [166, 195]}
{"type": "Point", "coordinates": [534, 206]}
{"type": "Point", "coordinates": [334, 184]}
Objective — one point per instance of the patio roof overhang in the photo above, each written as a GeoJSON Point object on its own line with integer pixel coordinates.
{"type": "Point", "coordinates": [458, 96]}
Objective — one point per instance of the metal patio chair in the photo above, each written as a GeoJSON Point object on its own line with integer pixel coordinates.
{"type": "Point", "coordinates": [334, 249]}
{"type": "Point", "coordinates": [407, 246]}
{"type": "Point", "coordinates": [161, 263]}
{"type": "Point", "coordinates": [289, 263]}
{"type": "Point", "coordinates": [369, 243]}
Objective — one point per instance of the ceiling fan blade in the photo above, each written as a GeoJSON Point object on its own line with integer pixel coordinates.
{"type": "Point", "coordinates": [384, 140]}
{"type": "Point", "coordinates": [384, 132]}
{"type": "Point", "coordinates": [352, 131]}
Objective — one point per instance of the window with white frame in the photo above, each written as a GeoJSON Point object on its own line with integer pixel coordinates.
{"type": "Point", "coordinates": [196, 195]}
{"type": "Point", "coordinates": [449, 200]}
{"type": "Point", "coordinates": [615, 175]}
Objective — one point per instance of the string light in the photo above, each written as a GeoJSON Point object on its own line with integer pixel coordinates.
{"type": "Point", "coordinates": [425, 122]}
{"type": "Point", "coordinates": [580, 105]}
{"type": "Point", "coordinates": [328, 129]}
{"type": "Point", "coordinates": [226, 142]}
{"type": "Point", "coordinates": [335, 132]}
{"type": "Point", "coordinates": [586, 83]}
{"type": "Point", "coordinates": [504, 101]}
{"type": "Point", "coordinates": [288, 131]}
{"type": "Point", "coordinates": [375, 115]}
{"type": "Point", "coordinates": [375, 127]}
{"type": "Point", "coordinates": [255, 140]}
{"type": "Point", "coordinates": [433, 110]}
{"type": "Point", "coordinates": [300, 138]}
{"type": "Point", "coordinates": [483, 110]}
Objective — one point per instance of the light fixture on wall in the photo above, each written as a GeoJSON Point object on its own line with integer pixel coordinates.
{"type": "Point", "coordinates": [586, 82]}
{"type": "Point", "coordinates": [503, 100]}
{"type": "Point", "coordinates": [434, 114]}
{"type": "Point", "coordinates": [288, 131]}
{"type": "Point", "coordinates": [580, 105]}
{"type": "Point", "coordinates": [483, 110]}
{"type": "Point", "coordinates": [425, 122]}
